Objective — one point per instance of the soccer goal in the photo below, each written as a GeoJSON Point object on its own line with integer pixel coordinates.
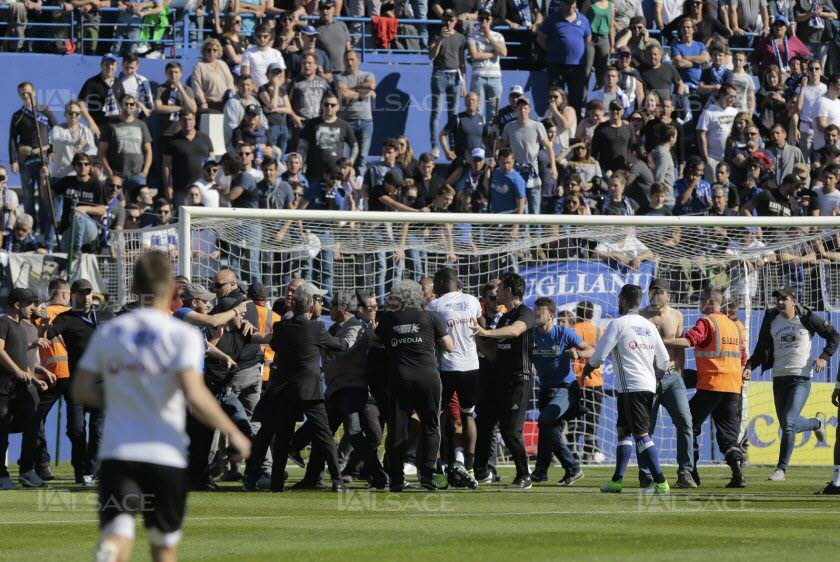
{"type": "Point", "coordinates": [572, 259]}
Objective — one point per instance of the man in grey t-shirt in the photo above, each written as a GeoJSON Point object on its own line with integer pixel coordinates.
{"type": "Point", "coordinates": [356, 92]}
{"type": "Point", "coordinates": [333, 36]}
{"type": "Point", "coordinates": [126, 150]}
{"type": "Point", "coordinates": [449, 68]}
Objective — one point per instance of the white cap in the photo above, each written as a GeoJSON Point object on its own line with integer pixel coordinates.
{"type": "Point", "coordinates": [517, 89]}
{"type": "Point", "coordinates": [477, 152]}
{"type": "Point", "coordinates": [312, 289]}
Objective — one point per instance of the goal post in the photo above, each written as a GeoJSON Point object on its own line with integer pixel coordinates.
{"type": "Point", "coordinates": [569, 258]}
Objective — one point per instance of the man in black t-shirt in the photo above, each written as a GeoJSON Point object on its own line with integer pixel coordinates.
{"type": "Point", "coordinates": [504, 398]}
{"type": "Point", "coordinates": [464, 132]}
{"type": "Point", "coordinates": [172, 100]}
{"type": "Point", "coordinates": [776, 202]}
{"type": "Point", "coordinates": [183, 158]}
{"type": "Point", "coordinates": [449, 70]}
{"type": "Point", "coordinates": [19, 390]}
{"type": "Point", "coordinates": [661, 76]}
{"type": "Point", "coordinates": [86, 194]}
{"type": "Point", "coordinates": [411, 336]}
{"type": "Point", "coordinates": [322, 140]}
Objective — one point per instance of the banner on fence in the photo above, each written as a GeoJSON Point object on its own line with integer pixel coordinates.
{"type": "Point", "coordinates": [35, 271]}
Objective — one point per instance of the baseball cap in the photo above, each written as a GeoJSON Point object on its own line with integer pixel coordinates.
{"type": "Point", "coordinates": [344, 298]}
{"type": "Point", "coordinates": [781, 19]}
{"type": "Point", "coordinates": [448, 15]}
{"type": "Point", "coordinates": [478, 152]}
{"type": "Point", "coordinates": [194, 291]}
{"type": "Point", "coordinates": [522, 101]}
{"type": "Point", "coordinates": [258, 292]}
{"type": "Point", "coordinates": [659, 285]}
{"type": "Point", "coordinates": [393, 178]}
{"type": "Point", "coordinates": [484, 13]}
{"type": "Point", "coordinates": [516, 89]}
{"type": "Point", "coordinates": [22, 295]}
{"type": "Point", "coordinates": [274, 66]}
{"type": "Point", "coordinates": [229, 303]}
{"type": "Point", "coordinates": [793, 181]}
{"type": "Point", "coordinates": [309, 30]}
{"type": "Point", "coordinates": [616, 104]}
{"type": "Point", "coordinates": [252, 109]}
{"type": "Point", "coordinates": [109, 57]}
{"type": "Point", "coordinates": [311, 288]}
{"type": "Point", "coordinates": [786, 291]}
{"type": "Point", "coordinates": [81, 286]}
{"type": "Point", "coordinates": [209, 162]}
{"type": "Point", "coordinates": [624, 49]}
{"type": "Point", "coordinates": [326, 4]}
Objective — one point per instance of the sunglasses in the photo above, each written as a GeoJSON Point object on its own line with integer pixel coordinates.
{"type": "Point", "coordinates": [244, 153]}
{"type": "Point", "coordinates": [330, 105]}
{"type": "Point", "coordinates": [2, 178]}
{"type": "Point", "coordinates": [115, 185]}
{"type": "Point", "coordinates": [298, 195]}
{"type": "Point", "coordinates": [218, 286]}
{"type": "Point", "coordinates": [73, 113]}
{"type": "Point", "coordinates": [129, 104]}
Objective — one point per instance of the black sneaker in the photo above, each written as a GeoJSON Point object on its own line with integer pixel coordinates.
{"type": "Point", "coordinates": [296, 458]}
{"type": "Point", "coordinates": [539, 477]}
{"type": "Point", "coordinates": [308, 485]}
{"type": "Point", "coordinates": [685, 480]}
{"type": "Point", "coordinates": [569, 478]}
{"type": "Point", "coordinates": [462, 477]}
{"type": "Point", "coordinates": [338, 486]}
{"type": "Point", "coordinates": [207, 486]}
{"type": "Point", "coordinates": [645, 481]}
{"type": "Point", "coordinates": [737, 481]}
{"type": "Point", "coordinates": [520, 483]}
{"type": "Point", "coordinates": [46, 473]}
{"type": "Point", "coordinates": [695, 475]}
{"type": "Point", "coordinates": [429, 485]}
{"type": "Point", "coordinates": [398, 487]}
{"type": "Point", "coordinates": [829, 490]}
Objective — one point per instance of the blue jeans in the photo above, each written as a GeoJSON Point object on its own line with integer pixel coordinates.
{"type": "Point", "coordinates": [279, 137]}
{"type": "Point", "coordinates": [252, 235]}
{"type": "Point", "coordinates": [84, 438]}
{"type": "Point", "coordinates": [363, 131]}
{"type": "Point", "coordinates": [671, 393]}
{"type": "Point", "coordinates": [444, 84]}
{"type": "Point", "coordinates": [554, 403]}
{"type": "Point", "coordinates": [533, 196]}
{"type": "Point", "coordinates": [790, 395]}
{"type": "Point", "coordinates": [326, 263]}
{"type": "Point", "coordinates": [421, 10]}
{"type": "Point", "coordinates": [127, 34]}
{"type": "Point", "coordinates": [487, 89]}
{"type": "Point", "coordinates": [87, 231]}
{"type": "Point", "coordinates": [30, 173]}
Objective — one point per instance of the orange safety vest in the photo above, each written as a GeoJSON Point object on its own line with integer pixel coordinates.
{"type": "Point", "coordinates": [719, 361]}
{"type": "Point", "coordinates": [590, 333]}
{"type": "Point", "coordinates": [265, 316]}
{"type": "Point", "coordinates": [54, 357]}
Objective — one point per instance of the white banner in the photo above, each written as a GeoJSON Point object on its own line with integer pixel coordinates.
{"type": "Point", "coordinates": [35, 271]}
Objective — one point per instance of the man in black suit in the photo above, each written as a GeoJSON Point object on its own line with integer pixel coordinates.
{"type": "Point", "coordinates": [295, 387]}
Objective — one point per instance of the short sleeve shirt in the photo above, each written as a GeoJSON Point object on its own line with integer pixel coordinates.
{"type": "Point", "coordinates": [410, 337]}
{"type": "Point", "coordinates": [513, 355]}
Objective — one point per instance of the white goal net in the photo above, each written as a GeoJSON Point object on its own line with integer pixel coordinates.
{"type": "Point", "coordinates": [570, 259]}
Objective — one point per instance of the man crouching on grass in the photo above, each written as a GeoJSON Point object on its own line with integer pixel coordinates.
{"type": "Point", "coordinates": [144, 368]}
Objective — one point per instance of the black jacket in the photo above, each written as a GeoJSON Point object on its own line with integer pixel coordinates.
{"type": "Point", "coordinates": [814, 323]}
{"type": "Point", "coordinates": [298, 343]}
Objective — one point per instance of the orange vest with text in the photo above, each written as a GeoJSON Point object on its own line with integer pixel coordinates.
{"type": "Point", "coordinates": [54, 357]}
{"type": "Point", "coordinates": [719, 361]}
{"type": "Point", "coordinates": [266, 316]}
{"type": "Point", "coordinates": [590, 333]}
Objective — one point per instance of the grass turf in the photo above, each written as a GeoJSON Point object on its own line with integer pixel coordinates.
{"type": "Point", "coordinates": [766, 521]}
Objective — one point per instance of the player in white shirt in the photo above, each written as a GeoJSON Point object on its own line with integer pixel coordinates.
{"type": "Point", "coordinates": [145, 368]}
{"type": "Point", "coordinates": [459, 367]}
{"type": "Point", "coordinates": [638, 354]}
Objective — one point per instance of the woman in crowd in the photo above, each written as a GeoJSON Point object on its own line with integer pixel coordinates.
{"type": "Point", "coordinates": [770, 99]}
{"type": "Point", "coordinates": [287, 39]}
{"type": "Point", "coordinates": [211, 78]}
{"type": "Point", "coordinates": [563, 116]}
{"type": "Point", "coordinates": [233, 45]}
{"type": "Point", "coordinates": [405, 156]}
{"type": "Point", "coordinates": [779, 48]}
{"type": "Point", "coordinates": [582, 163]}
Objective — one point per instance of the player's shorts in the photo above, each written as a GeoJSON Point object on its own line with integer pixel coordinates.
{"type": "Point", "coordinates": [158, 492]}
{"type": "Point", "coordinates": [634, 410]}
{"type": "Point", "coordinates": [465, 383]}
{"type": "Point", "coordinates": [453, 407]}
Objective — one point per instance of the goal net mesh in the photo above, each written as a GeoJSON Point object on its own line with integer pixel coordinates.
{"type": "Point", "coordinates": [570, 264]}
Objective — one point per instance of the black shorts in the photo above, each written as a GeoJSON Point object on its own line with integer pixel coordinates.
{"type": "Point", "coordinates": [465, 383]}
{"type": "Point", "coordinates": [158, 492]}
{"type": "Point", "coordinates": [634, 410]}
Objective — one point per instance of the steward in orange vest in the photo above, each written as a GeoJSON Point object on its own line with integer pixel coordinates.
{"type": "Point", "coordinates": [719, 355]}
{"type": "Point", "coordinates": [592, 387]}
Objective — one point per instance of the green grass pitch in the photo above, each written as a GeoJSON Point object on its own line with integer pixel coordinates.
{"type": "Point", "coordinates": [766, 521]}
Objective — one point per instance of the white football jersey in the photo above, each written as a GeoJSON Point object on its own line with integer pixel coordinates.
{"type": "Point", "coordinates": [635, 347]}
{"type": "Point", "coordinates": [140, 356]}
{"type": "Point", "coordinates": [459, 312]}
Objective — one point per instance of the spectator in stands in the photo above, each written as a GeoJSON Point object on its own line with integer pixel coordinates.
{"type": "Point", "coordinates": [689, 55]}
{"type": "Point", "coordinates": [640, 40]}
{"type": "Point", "coordinates": [525, 137]}
{"type": "Point", "coordinates": [183, 159]}
{"type": "Point", "coordinates": [692, 192]}
{"type": "Point", "coordinates": [827, 111]}
{"type": "Point", "coordinates": [356, 91]}
{"type": "Point", "coordinates": [232, 44]}
{"type": "Point", "coordinates": [307, 91]}
{"type": "Point", "coordinates": [617, 203]}
{"type": "Point", "coordinates": [473, 175]}
{"type": "Point", "coordinates": [211, 78]}
{"type": "Point", "coordinates": [170, 100]}
{"type": "Point", "coordinates": [629, 79]}
{"type": "Point", "coordinates": [601, 15]}
{"type": "Point", "coordinates": [666, 11]}
{"type": "Point", "coordinates": [507, 187]}
{"type": "Point", "coordinates": [486, 46]}
{"type": "Point", "coordinates": [828, 196]}
{"type": "Point", "coordinates": [656, 202]}
{"type": "Point", "coordinates": [387, 163]}
{"type": "Point", "coordinates": [163, 239]}
{"type": "Point", "coordinates": [84, 198]}
{"type": "Point", "coordinates": [832, 142]}
{"type": "Point", "coordinates": [333, 36]}
{"type": "Point", "coordinates": [714, 126]}
{"type": "Point", "coordinates": [323, 140]}
{"type": "Point", "coordinates": [706, 24]}
{"type": "Point", "coordinates": [309, 42]}
{"type": "Point", "coordinates": [137, 86]}
{"type": "Point", "coordinates": [612, 140]}
{"type": "Point", "coordinates": [252, 132]}
{"type": "Point", "coordinates": [101, 97]}
{"type": "Point", "coordinates": [207, 184]}
{"type": "Point", "coordinates": [779, 47]}
{"type": "Point", "coordinates": [771, 101]}
{"type": "Point", "coordinates": [274, 193]}
{"type": "Point", "coordinates": [405, 156]}
{"type": "Point", "coordinates": [716, 73]}
{"type": "Point", "coordinates": [566, 36]}
{"type": "Point", "coordinates": [17, 19]}
{"type": "Point", "coordinates": [68, 139]}
{"type": "Point", "coordinates": [257, 59]}
{"type": "Point", "coordinates": [623, 250]}
{"type": "Point", "coordinates": [466, 130]}
{"type": "Point", "coordinates": [584, 164]}
{"type": "Point", "coordinates": [449, 69]}
{"type": "Point", "coordinates": [20, 238]}
{"type": "Point", "coordinates": [718, 206]}
{"type": "Point", "coordinates": [739, 154]}
{"type": "Point", "coordinates": [610, 91]}
{"type": "Point", "coordinates": [276, 106]}
{"type": "Point", "coordinates": [236, 107]}
{"type": "Point", "coordinates": [563, 116]}
{"type": "Point", "coordinates": [30, 126]}
{"type": "Point", "coordinates": [508, 113]}
{"type": "Point", "coordinates": [784, 155]}
{"type": "Point", "coordinates": [664, 167]}
{"type": "Point", "coordinates": [746, 16]}
{"type": "Point", "coordinates": [779, 202]}
{"type": "Point", "coordinates": [250, 11]}
{"type": "Point", "coordinates": [145, 201]}
{"type": "Point", "coordinates": [294, 171]}
{"type": "Point", "coordinates": [113, 219]}
{"type": "Point", "coordinates": [814, 26]}
{"type": "Point", "coordinates": [808, 99]}
{"type": "Point", "coordinates": [126, 149]}
{"type": "Point", "coordinates": [661, 77]}
{"type": "Point", "coordinates": [744, 84]}
{"type": "Point", "coordinates": [287, 38]}
{"type": "Point", "coordinates": [427, 181]}
{"type": "Point", "coordinates": [129, 21]}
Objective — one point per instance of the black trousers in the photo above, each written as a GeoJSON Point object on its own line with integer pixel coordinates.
{"type": "Point", "coordinates": [201, 436]}
{"type": "Point", "coordinates": [278, 415]}
{"type": "Point", "coordinates": [421, 395]}
{"type": "Point", "coordinates": [19, 414]}
{"type": "Point", "coordinates": [503, 399]}
{"type": "Point", "coordinates": [347, 406]}
{"type": "Point", "coordinates": [48, 398]}
{"type": "Point", "coordinates": [725, 409]}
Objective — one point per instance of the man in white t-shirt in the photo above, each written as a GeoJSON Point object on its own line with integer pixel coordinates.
{"type": "Point", "coordinates": [828, 194]}
{"type": "Point", "coordinates": [810, 92]}
{"type": "Point", "coordinates": [827, 112]}
{"type": "Point", "coordinates": [459, 367]}
{"type": "Point", "coordinates": [486, 46]}
{"type": "Point", "coordinates": [638, 356]}
{"type": "Point", "coordinates": [666, 11]}
{"type": "Point", "coordinates": [145, 368]}
{"type": "Point", "coordinates": [256, 59]}
{"type": "Point", "coordinates": [714, 127]}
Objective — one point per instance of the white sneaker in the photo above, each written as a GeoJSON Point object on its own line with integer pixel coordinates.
{"type": "Point", "coordinates": [409, 469]}
{"type": "Point", "coordinates": [30, 479]}
{"type": "Point", "coordinates": [6, 483]}
{"type": "Point", "coordinates": [87, 481]}
{"type": "Point", "coordinates": [777, 476]}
